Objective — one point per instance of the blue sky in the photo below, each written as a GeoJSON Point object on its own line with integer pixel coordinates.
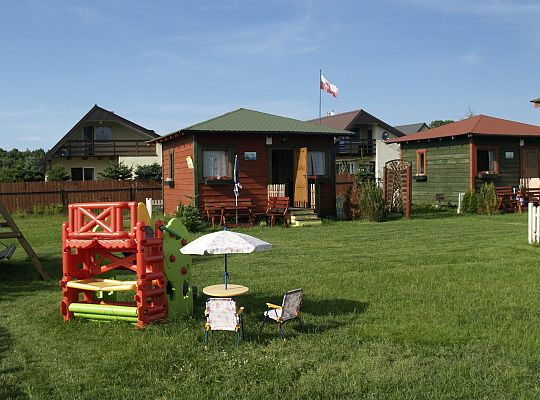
{"type": "Point", "coordinates": [169, 64]}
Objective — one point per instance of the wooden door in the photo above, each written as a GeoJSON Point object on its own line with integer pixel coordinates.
{"type": "Point", "coordinates": [530, 176]}
{"type": "Point", "coordinates": [300, 178]}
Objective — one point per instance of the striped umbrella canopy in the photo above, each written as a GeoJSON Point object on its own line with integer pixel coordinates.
{"type": "Point", "coordinates": [225, 242]}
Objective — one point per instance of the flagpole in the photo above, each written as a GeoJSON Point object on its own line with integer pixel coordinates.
{"type": "Point", "coordinates": [320, 97]}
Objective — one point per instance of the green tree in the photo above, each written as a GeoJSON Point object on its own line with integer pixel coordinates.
{"type": "Point", "coordinates": [21, 166]}
{"type": "Point", "coordinates": [440, 122]}
{"type": "Point", "coordinates": [57, 173]}
{"type": "Point", "coordinates": [116, 171]}
{"type": "Point", "coordinates": [149, 171]}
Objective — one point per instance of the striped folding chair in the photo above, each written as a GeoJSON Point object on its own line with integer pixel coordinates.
{"type": "Point", "coordinates": [221, 315]}
{"type": "Point", "coordinates": [288, 310]}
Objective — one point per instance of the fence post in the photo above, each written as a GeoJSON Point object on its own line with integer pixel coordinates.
{"type": "Point", "coordinates": [131, 193]}
{"type": "Point", "coordinates": [409, 193]}
{"type": "Point", "coordinates": [537, 225]}
{"type": "Point", "coordinates": [149, 206]}
{"type": "Point", "coordinates": [63, 197]}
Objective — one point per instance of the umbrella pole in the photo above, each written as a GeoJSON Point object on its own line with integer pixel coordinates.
{"type": "Point", "coordinates": [236, 198]}
{"type": "Point", "coordinates": [226, 275]}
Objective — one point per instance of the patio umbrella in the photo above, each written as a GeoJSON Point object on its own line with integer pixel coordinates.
{"type": "Point", "coordinates": [225, 242]}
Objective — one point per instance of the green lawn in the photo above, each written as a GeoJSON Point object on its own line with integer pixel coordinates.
{"type": "Point", "coordinates": [421, 309]}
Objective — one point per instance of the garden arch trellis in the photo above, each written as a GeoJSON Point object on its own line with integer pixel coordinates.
{"type": "Point", "coordinates": [397, 186]}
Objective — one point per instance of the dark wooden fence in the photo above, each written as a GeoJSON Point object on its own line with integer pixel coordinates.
{"type": "Point", "coordinates": [344, 183]}
{"type": "Point", "coordinates": [24, 196]}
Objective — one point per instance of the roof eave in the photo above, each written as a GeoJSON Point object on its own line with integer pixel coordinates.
{"type": "Point", "coordinates": [174, 135]}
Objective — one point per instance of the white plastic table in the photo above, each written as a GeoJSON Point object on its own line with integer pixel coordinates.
{"type": "Point", "coordinates": [220, 291]}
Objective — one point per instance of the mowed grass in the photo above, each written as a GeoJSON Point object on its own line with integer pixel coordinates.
{"type": "Point", "coordinates": [422, 309]}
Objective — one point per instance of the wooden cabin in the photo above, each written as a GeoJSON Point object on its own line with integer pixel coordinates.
{"type": "Point", "coordinates": [461, 156]}
{"type": "Point", "coordinates": [293, 155]}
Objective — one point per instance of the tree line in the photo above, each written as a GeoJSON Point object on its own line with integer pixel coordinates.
{"type": "Point", "coordinates": [23, 166]}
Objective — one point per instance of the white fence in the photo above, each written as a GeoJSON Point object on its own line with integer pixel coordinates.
{"type": "Point", "coordinates": [313, 195]}
{"type": "Point", "coordinates": [150, 204]}
{"type": "Point", "coordinates": [534, 224]}
{"type": "Point", "coordinates": [276, 190]}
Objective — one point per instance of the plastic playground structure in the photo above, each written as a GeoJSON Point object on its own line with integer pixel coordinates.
{"type": "Point", "coordinates": [101, 238]}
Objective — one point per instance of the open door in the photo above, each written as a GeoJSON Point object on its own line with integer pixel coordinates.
{"type": "Point", "coordinates": [530, 168]}
{"type": "Point", "coordinates": [300, 178]}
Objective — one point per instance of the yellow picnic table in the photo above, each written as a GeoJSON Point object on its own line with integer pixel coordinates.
{"type": "Point", "coordinates": [220, 291]}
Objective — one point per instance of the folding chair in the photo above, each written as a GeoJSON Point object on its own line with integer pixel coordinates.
{"type": "Point", "coordinates": [8, 251]}
{"type": "Point", "coordinates": [221, 315]}
{"type": "Point", "coordinates": [289, 309]}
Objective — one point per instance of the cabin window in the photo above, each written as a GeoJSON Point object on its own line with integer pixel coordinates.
{"type": "Point", "coordinates": [421, 162]}
{"type": "Point", "coordinates": [171, 164]}
{"type": "Point", "coordinates": [487, 160]}
{"type": "Point", "coordinates": [82, 174]}
{"type": "Point", "coordinates": [316, 163]}
{"type": "Point", "coordinates": [216, 164]}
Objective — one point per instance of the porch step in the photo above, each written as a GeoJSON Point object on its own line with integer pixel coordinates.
{"type": "Point", "coordinates": [303, 217]}
{"type": "Point", "coordinates": [306, 221]}
{"type": "Point", "coordinates": [301, 211]}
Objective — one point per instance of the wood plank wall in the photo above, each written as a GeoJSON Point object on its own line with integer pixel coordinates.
{"type": "Point", "coordinates": [183, 190]}
{"type": "Point", "coordinates": [447, 169]}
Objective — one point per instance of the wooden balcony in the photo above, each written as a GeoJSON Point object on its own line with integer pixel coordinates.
{"type": "Point", "coordinates": [106, 148]}
{"type": "Point", "coordinates": [362, 147]}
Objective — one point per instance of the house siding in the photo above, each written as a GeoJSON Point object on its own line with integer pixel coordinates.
{"type": "Point", "coordinates": [447, 169]}
{"type": "Point", "coordinates": [509, 169]}
{"type": "Point", "coordinates": [253, 174]}
{"type": "Point", "coordinates": [183, 191]}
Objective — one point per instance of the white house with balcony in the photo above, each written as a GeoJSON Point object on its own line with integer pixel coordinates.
{"type": "Point", "coordinates": [99, 137]}
{"type": "Point", "coordinates": [368, 147]}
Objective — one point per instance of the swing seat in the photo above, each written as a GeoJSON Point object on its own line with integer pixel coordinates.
{"type": "Point", "coordinates": [8, 252]}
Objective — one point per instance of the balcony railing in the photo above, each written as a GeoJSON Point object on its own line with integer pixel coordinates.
{"type": "Point", "coordinates": [106, 148]}
{"type": "Point", "coordinates": [363, 147]}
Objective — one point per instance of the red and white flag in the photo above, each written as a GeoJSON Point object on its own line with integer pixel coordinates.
{"type": "Point", "coordinates": [329, 87]}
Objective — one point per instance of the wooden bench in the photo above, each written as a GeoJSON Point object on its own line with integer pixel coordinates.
{"type": "Point", "coordinates": [507, 198]}
{"type": "Point", "coordinates": [229, 209]}
{"type": "Point", "coordinates": [529, 195]}
{"type": "Point", "coordinates": [278, 207]}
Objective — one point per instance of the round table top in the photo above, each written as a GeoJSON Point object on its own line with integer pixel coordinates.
{"type": "Point", "coordinates": [219, 290]}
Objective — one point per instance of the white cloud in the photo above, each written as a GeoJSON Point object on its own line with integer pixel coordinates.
{"type": "Point", "coordinates": [468, 59]}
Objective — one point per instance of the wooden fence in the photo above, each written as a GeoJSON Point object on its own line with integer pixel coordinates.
{"type": "Point", "coordinates": [24, 196]}
{"type": "Point", "coordinates": [344, 183]}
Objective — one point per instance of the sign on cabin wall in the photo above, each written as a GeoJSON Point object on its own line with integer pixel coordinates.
{"type": "Point", "coordinates": [250, 155]}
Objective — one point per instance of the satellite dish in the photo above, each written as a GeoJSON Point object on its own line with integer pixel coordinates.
{"type": "Point", "coordinates": [385, 136]}
{"type": "Point", "coordinates": [64, 152]}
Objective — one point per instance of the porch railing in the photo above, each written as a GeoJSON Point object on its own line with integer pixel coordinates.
{"type": "Point", "coordinates": [279, 190]}
{"type": "Point", "coordinates": [362, 147]}
{"type": "Point", "coordinates": [106, 148]}
{"type": "Point", "coordinates": [276, 190]}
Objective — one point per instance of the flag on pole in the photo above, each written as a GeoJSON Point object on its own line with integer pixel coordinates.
{"type": "Point", "coordinates": [237, 184]}
{"type": "Point", "coordinates": [329, 87]}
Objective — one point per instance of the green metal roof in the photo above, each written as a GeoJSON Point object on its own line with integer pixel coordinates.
{"type": "Point", "coordinates": [249, 121]}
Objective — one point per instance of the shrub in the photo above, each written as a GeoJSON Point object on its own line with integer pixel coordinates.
{"type": "Point", "coordinates": [465, 202]}
{"type": "Point", "coordinates": [469, 203]}
{"type": "Point", "coordinates": [371, 204]}
{"type": "Point", "coordinates": [116, 171]}
{"type": "Point", "coordinates": [148, 171]}
{"type": "Point", "coordinates": [190, 217]}
{"type": "Point", "coordinates": [487, 200]}
{"type": "Point", "coordinates": [57, 173]}
{"type": "Point", "coordinates": [353, 202]}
